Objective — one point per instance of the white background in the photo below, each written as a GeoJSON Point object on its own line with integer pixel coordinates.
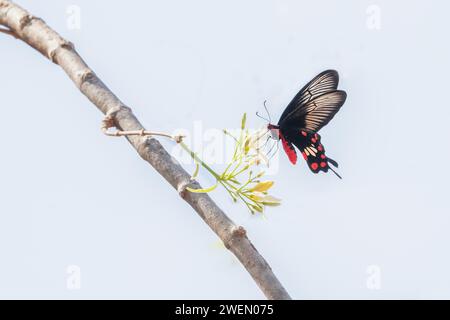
{"type": "Point", "coordinates": [71, 196]}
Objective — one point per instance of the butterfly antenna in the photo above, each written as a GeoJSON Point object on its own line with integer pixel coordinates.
{"type": "Point", "coordinates": [337, 174]}
{"type": "Point", "coordinates": [264, 118]}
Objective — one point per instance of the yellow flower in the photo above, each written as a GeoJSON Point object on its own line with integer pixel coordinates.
{"type": "Point", "coordinates": [247, 144]}
{"type": "Point", "coordinates": [256, 196]}
{"type": "Point", "coordinates": [244, 119]}
{"type": "Point", "coordinates": [270, 201]}
{"type": "Point", "coordinates": [257, 207]}
{"type": "Point", "coordinates": [262, 186]}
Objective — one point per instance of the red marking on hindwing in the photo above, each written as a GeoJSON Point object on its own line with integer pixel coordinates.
{"type": "Point", "coordinates": [322, 156]}
{"type": "Point", "coordinates": [304, 156]}
{"type": "Point", "coordinates": [314, 166]}
{"type": "Point", "coordinates": [289, 149]}
{"type": "Point", "coordinates": [323, 164]}
{"type": "Point", "coordinates": [320, 148]}
{"type": "Point", "coordinates": [303, 133]}
{"type": "Point", "coordinates": [313, 140]}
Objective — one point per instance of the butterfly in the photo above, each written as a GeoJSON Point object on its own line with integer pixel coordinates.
{"type": "Point", "coordinates": [310, 110]}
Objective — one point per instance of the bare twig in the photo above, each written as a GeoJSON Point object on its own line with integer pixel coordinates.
{"type": "Point", "coordinates": [108, 122]}
{"type": "Point", "coordinates": [36, 33]}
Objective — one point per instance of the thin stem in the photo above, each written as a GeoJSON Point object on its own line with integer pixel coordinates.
{"type": "Point", "coordinates": [120, 133]}
{"type": "Point", "coordinates": [108, 122]}
{"type": "Point", "coordinates": [195, 157]}
{"type": "Point", "coordinates": [226, 169]}
{"type": "Point", "coordinates": [239, 172]}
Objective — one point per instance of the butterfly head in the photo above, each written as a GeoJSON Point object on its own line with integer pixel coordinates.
{"type": "Point", "coordinates": [274, 131]}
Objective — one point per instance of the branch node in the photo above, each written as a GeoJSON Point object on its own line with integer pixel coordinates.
{"type": "Point", "coordinates": [179, 138]}
{"type": "Point", "coordinates": [108, 122]}
{"type": "Point", "coordinates": [24, 21]}
{"type": "Point", "coordinates": [181, 189]}
{"type": "Point", "coordinates": [6, 5]}
{"type": "Point", "coordinates": [237, 233]}
{"type": "Point", "coordinates": [63, 44]}
{"type": "Point", "coordinates": [84, 76]}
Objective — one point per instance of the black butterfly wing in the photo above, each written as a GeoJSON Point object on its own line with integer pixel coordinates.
{"type": "Point", "coordinates": [318, 112]}
{"type": "Point", "coordinates": [310, 145]}
{"type": "Point", "coordinates": [316, 104]}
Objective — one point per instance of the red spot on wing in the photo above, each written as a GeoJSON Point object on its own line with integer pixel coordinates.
{"type": "Point", "coordinates": [317, 161]}
{"type": "Point", "coordinates": [289, 149]}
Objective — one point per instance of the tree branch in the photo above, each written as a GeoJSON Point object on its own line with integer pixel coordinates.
{"type": "Point", "coordinates": [35, 32]}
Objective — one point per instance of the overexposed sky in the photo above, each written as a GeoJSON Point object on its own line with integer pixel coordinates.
{"type": "Point", "coordinates": [73, 201]}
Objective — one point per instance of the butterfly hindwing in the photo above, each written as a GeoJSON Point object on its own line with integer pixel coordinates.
{"type": "Point", "coordinates": [311, 148]}
{"type": "Point", "coordinates": [289, 149]}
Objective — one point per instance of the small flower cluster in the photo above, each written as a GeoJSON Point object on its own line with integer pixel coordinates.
{"type": "Point", "coordinates": [247, 157]}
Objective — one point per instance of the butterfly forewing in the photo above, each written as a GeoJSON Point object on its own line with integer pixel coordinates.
{"type": "Point", "coordinates": [325, 82]}
{"type": "Point", "coordinates": [318, 112]}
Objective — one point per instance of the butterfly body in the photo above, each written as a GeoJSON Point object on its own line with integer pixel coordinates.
{"type": "Point", "coordinates": [311, 109]}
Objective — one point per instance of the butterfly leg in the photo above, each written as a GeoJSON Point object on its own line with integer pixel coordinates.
{"type": "Point", "coordinates": [277, 144]}
{"type": "Point", "coordinates": [270, 149]}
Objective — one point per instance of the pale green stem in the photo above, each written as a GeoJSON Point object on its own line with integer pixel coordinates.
{"type": "Point", "coordinates": [196, 158]}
